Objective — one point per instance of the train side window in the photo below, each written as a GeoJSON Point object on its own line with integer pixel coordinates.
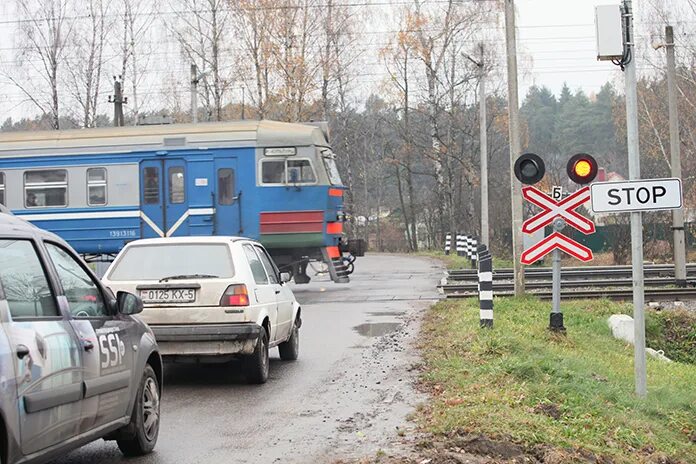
{"type": "Point", "coordinates": [177, 186]}
{"type": "Point", "coordinates": [300, 172]}
{"type": "Point", "coordinates": [273, 171]}
{"type": "Point", "coordinates": [151, 190]}
{"type": "Point", "coordinates": [225, 186]}
{"type": "Point", "coordinates": [2, 188]}
{"type": "Point", "coordinates": [47, 188]}
{"type": "Point", "coordinates": [96, 186]}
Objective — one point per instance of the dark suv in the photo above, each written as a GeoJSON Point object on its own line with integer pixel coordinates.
{"type": "Point", "coordinates": [75, 364]}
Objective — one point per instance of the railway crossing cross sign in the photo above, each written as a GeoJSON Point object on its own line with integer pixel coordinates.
{"type": "Point", "coordinates": [555, 209]}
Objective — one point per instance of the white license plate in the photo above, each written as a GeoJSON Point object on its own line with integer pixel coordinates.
{"type": "Point", "coordinates": [168, 295]}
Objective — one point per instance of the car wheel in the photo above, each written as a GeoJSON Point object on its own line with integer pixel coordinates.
{"type": "Point", "coordinates": [290, 350]}
{"type": "Point", "coordinates": [257, 363]}
{"type": "Point", "coordinates": [144, 424]}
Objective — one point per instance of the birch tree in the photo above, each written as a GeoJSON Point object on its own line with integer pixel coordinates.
{"type": "Point", "coordinates": [86, 60]}
{"type": "Point", "coordinates": [43, 33]}
{"type": "Point", "coordinates": [201, 28]}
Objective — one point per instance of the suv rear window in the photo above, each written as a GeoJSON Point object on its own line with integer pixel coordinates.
{"type": "Point", "coordinates": [157, 261]}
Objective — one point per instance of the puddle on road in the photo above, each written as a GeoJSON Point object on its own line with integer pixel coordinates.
{"type": "Point", "coordinates": [377, 329]}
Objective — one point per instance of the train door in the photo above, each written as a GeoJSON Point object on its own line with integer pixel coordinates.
{"type": "Point", "coordinates": [228, 199]}
{"type": "Point", "coordinates": [164, 210]}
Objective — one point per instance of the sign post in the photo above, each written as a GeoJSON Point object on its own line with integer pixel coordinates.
{"type": "Point", "coordinates": [559, 212]}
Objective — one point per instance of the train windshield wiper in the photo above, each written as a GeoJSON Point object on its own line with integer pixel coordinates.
{"type": "Point", "coordinates": [189, 276]}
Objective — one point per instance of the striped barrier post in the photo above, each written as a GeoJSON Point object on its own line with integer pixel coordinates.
{"type": "Point", "coordinates": [485, 284]}
{"type": "Point", "coordinates": [472, 251]}
{"type": "Point", "coordinates": [461, 245]}
{"type": "Point", "coordinates": [448, 243]}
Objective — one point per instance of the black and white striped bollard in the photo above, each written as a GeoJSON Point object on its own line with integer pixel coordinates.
{"type": "Point", "coordinates": [485, 276]}
{"type": "Point", "coordinates": [448, 243]}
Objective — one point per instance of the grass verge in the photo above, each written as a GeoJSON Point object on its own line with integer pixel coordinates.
{"type": "Point", "coordinates": [520, 383]}
{"type": "Point", "coordinates": [673, 332]}
{"type": "Point", "coordinates": [452, 261]}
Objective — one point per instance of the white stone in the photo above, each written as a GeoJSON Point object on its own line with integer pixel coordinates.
{"type": "Point", "coordinates": [621, 326]}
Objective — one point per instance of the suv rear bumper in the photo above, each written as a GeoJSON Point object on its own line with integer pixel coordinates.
{"type": "Point", "coordinates": [210, 340]}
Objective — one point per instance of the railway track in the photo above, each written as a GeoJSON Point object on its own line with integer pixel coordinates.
{"type": "Point", "coordinates": [613, 282]}
{"type": "Point", "coordinates": [651, 294]}
{"type": "Point", "coordinates": [600, 272]}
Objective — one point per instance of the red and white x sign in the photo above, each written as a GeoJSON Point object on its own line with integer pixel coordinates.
{"type": "Point", "coordinates": [553, 209]}
{"type": "Point", "coordinates": [553, 241]}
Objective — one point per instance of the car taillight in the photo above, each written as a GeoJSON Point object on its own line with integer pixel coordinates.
{"type": "Point", "coordinates": [235, 295]}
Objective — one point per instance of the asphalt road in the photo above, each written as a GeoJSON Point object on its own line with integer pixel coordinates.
{"type": "Point", "coordinates": [347, 396]}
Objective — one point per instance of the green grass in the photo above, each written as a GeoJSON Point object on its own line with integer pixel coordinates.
{"type": "Point", "coordinates": [673, 332]}
{"type": "Point", "coordinates": [452, 261]}
{"type": "Point", "coordinates": [497, 382]}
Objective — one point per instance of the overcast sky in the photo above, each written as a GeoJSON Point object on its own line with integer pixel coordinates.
{"type": "Point", "coordinates": [559, 38]}
{"type": "Point", "coordinates": [556, 45]}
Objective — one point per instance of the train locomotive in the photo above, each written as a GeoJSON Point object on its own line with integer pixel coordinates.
{"type": "Point", "coordinates": [101, 188]}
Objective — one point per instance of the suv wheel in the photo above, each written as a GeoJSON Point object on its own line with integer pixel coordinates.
{"type": "Point", "coordinates": [290, 349]}
{"type": "Point", "coordinates": [257, 363]}
{"type": "Point", "coordinates": [144, 424]}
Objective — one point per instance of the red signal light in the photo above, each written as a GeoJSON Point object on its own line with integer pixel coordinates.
{"type": "Point", "coordinates": [582, 168]}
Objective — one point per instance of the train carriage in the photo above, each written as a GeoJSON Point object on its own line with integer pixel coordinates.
{"type": "Point", "coordinates": [101, 188]}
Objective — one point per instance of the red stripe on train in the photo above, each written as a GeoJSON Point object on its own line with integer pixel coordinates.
{"type": "Point", "coordinates": [291, 221]}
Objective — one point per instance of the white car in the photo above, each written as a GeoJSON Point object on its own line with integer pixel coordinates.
{"type": "Point", "coordinates": [210, 299]}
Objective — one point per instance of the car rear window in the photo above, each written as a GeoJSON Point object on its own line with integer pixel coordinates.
{"type": "Point", "coordinates": [155, 262]}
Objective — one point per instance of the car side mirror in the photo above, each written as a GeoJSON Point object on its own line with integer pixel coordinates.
{"type": "Point", "coordinates": [129, 304]}
{"type": "Point", "coordinates": [285, 277]}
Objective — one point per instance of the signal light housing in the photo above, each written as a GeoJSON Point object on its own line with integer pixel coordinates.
{"type": "Point", "coordinates": [582, 168]}
{"type": "Point", "coordinates": [529, 168]}
{"type": "Point", "coordinates": [235, 295]}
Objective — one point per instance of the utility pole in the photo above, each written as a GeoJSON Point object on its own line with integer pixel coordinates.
{"type": "Point", "coordinates": [194, 93]}
{"type": "Point", "coordinates": [483, 141]}
{"type": "Point", "coordinates": [243, 102]}
{"type": "Point", "coordinates": [118, 100]}
{"type": "Point", "coordinates": [675, 159]}
{"type": "Point", "coordinates": [515, 148]}
{"type": "Point", "coordinates": [636, 217]}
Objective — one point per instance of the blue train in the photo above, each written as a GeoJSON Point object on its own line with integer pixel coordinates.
{"type": "Point", "coordinates": [101, 188]}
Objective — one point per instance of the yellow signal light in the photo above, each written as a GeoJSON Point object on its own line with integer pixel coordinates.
{"type": "Point", "coordinates": [583, 168]}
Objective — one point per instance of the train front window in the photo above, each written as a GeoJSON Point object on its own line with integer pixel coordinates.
{"type": "Point", "coordinates": [47, 188]}
{"type": "Point", "coordinates": [96, 186]}
{"type": "Point", "coordinates": [273, 171]}
{"type": "Point", "coordinates": [2, 188]}
{"type": "Point", "coordinates": [300, 171]}
{"type": "Point", "coordinates": [331, 168]}
{"type": "Point", "coordinates": [287, 172]}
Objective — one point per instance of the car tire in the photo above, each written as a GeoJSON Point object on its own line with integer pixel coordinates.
{"type": "Point", "coordinates": [257, 363]}
{"type": "Point", "coordinates": [144, 425]}
{"type": "Point", "coordinates": [290, 349]}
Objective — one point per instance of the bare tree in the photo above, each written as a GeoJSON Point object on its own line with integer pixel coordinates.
{"type": "Point", "coordinates": [251, 19]}
{"type": "Point", "coordinates": [86, 60]}
{"type": "Point", "coordinates": [201, 28]}
{"type": "Point", "coordinates": [137, 21]}
{"type": "Point", "coordinates": [44, 30]}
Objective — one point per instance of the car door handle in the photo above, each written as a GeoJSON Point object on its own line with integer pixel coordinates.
{"type": "Point", "coordinates": [87, 345]}
{"type": "Point", "coordinates": [22, 351]}
{"type": "Point", "coordinates": [277, 292]}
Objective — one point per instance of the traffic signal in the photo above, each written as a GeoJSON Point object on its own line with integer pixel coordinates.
{"type": "Point", "coordinates": [529, 168]}
{"type": "Point", "coordinates": [582, 168]}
